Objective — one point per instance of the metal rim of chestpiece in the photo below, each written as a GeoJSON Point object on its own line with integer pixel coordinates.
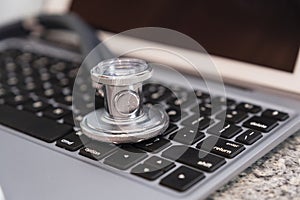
{"type": "Point", "coordinates": [124, 119]}
{"type": "Point", "coordinates": [121, 71]}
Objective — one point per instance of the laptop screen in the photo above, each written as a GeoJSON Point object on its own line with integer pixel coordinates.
{"type": "Point", "coordinates": [266, 33]}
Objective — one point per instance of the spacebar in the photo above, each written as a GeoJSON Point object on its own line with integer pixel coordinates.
{"type": "Point", "coordinates": [42, 128]}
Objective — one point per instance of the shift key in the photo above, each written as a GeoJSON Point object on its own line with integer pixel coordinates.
{"type": "Point", "coordinates": [194, 158]}
{"type": "Point", "coordinates": [221, 147]}
{"type": "Point", "coordinates": [42, 128]}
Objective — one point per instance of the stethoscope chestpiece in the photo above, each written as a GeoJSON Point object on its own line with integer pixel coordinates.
{"type": "Point", "coordinates": [124, 119]}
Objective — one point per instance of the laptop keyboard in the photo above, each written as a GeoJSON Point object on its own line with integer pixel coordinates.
{"type": "Point", "coordinates": [35, 99]}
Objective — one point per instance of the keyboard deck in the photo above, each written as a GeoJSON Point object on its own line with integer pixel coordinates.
{"type": "Point", "coordinates": [36, 98]}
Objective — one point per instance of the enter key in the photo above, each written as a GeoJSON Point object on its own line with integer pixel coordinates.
{"type": "Point", "coordinates": [222, 147]}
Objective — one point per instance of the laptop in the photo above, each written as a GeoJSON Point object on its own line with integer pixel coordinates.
{"type": "Point", "coordinates": [259, 102]}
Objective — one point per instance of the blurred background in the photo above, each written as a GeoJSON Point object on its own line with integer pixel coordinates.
{"type": "Point", "coordinates": [14, 9]}
{"type": "Point", "coordinates": [255, 31]}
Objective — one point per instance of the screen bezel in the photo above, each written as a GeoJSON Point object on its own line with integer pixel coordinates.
{"type": "Point", "coordinates": [233, 71]}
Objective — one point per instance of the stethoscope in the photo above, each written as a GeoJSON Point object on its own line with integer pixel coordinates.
{"type": "Point", "coordinates": [124, 118]}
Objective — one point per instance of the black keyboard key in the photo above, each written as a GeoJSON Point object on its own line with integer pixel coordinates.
{"type": "Point", "coordinates": [66, 100]}
{"type": "Point", "coordinates": [17, 100]}
{"type": "Point", "coordinates": [12, 81]}
{"type": "Point", "coordinates": [225, 130]}
{"type": "Point", "coordinates": [97, 150]}
{"type": "Point", "coordinates": [41, 62]}
{"type": "Point", "coordinates": [206, 109]}
{"type": "Point", "coordinates": [222, 101]}
{"type": "Point", "coordinates": [36, 106]}
{"type": "Point", "coordinates": [125, 158]}
{"type": "Point", "coordinates": [201, 95]}
{"type": "Point", "coordinates": [188, 135]}
{"type": "Point", "coordinates": [58, 67]}
{"type": "Point", "coordinates": [249, 137]}
{"type": "Point", "coordinates": [161, 94]}
{"type": "Point", "coordinates": [73, 141]}
{"type": "Point", "coordinates": [248, 107]}
{"type": "Point", "coordinates": [197, 121]}
{"type": "Point", "coordinates": [45, 76]}
{"type": "Point", "coordinates": [73, 73]}
{"type": "Point", "coordinates": [221, 147]}
{"type": "Point", "coordinates": [232, 116]}
{"type": "Point", "coordinates": [30, 124]}
{"type": "Point", "coordinates": [150, 88]}
{"type": "Point", "coordinates": [154, 144]}
{"type": "Point", "coordinates": [48, 92]}
{"type": "Point", "coordinates": [68, 119]}
{"type": "Point", "coordinates": [275, 114]}
{"type": "Point", "coordinates": [180, 102]}
{"type": "Point", "coordinates": [175, 114]}
{"type": "Point", "coordinates": [64, 82]}
{"type": "Point", "coordinates": [261, 124]}
{"type": "Point", "coordinates": [194, 158]}
{"type": "Point", "coordinates": [147, 172]}
{"type": "Point", "coordinates": [4, 92]}
{"type": "Point", "coordinates": [171, 128]}
{"type": "Point", "coordinates": [30, 86]}
{"type": "Point", "coordinates": [56, 113]}
{"type": "Point", "coordinates": [25, 57]}
{"type": "Point", "coordinates": [182, 179]}
{"type": "Point", "coordinates": [160, 163]}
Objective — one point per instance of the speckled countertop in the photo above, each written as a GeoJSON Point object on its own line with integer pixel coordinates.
{"type": "Point", "coordinates": [275, 176]}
